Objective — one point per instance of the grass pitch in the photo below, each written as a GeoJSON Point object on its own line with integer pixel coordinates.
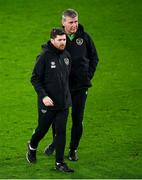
{"type": "Point", "coordinates": [111, 146]}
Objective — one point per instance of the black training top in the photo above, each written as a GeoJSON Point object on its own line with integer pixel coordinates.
{"type": "Point", "coordinates": [50, 76]}
{"type": "Point", "coordinates": [84, 59]}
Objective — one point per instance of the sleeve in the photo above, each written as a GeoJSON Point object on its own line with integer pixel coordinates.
{"type": "Point", "coordinates": [93, 56]}
{"type": "Point", "coordinates": [38, 76]}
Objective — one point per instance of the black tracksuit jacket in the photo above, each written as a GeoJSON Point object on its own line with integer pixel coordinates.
{"type": "Point", "coordinates": [84, 59]}
{"type": "Point", "coordinates": [50, 77]}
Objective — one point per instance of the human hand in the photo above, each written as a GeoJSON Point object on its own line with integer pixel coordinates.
{"type": "Point", "coordinates": [47, 101]}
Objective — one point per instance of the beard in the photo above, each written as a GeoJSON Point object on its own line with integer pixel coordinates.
{"type": "Point", "coordinates": [61, 47]}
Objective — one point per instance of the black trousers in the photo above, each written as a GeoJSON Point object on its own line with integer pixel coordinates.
{"type": "Point", "coordinates": [78, 105]}
{"type": "Point", "coordinates": [45, 119]}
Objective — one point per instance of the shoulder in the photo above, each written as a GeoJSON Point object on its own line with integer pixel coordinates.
{"type": "Point", "coordinates": [87, 36]}
{"type": "Point", "coordinates": [41, 57]}
{"type": "Point", "coordinates": [81, 33]}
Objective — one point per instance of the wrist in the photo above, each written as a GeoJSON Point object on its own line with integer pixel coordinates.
{"type": "Point", "coordinates": [45, 97]}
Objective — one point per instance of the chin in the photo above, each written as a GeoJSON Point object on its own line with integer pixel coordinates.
{"type": "Point", "coordinates": [73, 32]}
{"type": "Point", "coordinates": [61, 49]}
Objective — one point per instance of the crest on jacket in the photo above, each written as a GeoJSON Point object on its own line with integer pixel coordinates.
{"type": "Point", "coordinates": [66, 60]}
{"type": "Point", "coordinates": [79, 41]}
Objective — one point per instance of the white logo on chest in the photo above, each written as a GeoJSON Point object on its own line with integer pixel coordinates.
{"type": "Point", "coordinates": [53, 65]}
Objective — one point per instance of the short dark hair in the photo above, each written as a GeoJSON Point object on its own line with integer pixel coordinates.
{"type": "Point", "coordinates": [56, 31]}
{"type": "Point", "coordinates": [69, 12]}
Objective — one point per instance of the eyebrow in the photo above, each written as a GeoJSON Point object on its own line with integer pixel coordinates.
{"type": "Point", "coordinates": [73, 21]}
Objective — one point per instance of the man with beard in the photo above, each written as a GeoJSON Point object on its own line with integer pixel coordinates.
{"type": "Point", "coordinates": [50, 80]}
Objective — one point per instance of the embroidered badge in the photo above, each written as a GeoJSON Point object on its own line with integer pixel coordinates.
{"type": "Point", "coordinates": [79, 41]}
{"type": "Point", "coordinates": [53, 65]}
{"type": "Point", "coordinates": [66, 60]}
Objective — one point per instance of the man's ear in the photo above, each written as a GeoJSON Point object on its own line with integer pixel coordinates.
{"type": "Point", "coordinates": [63, 22]}
{"type": "Point", "coordinates": [52, 41]}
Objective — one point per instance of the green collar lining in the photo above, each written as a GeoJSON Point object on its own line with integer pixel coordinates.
{"type": "Point", "coordinates": [71, 36]}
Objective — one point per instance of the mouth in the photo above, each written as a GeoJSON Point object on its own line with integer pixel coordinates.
{"type": "Point", "coordinates": [74, 29]}
{"type": "Point", "coordinates": [62, 47]}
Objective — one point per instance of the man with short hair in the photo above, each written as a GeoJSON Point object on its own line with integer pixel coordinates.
{"type": "Point", "coordinates": [84, 61]}
{"type": "Point", "coordinates": [50, 80]}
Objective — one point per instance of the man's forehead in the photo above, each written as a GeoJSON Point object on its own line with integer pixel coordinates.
{"type": "Point", "coordinates": [61, 36]}
{"type": "Point", "coordinates": [68, 18]}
